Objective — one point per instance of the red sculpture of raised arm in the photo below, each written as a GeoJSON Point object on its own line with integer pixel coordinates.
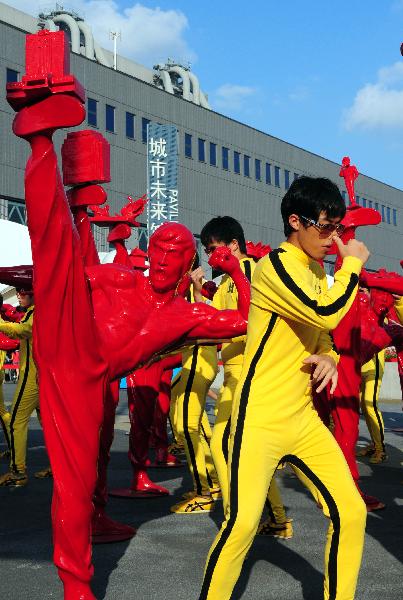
{"type": "Point", "coordinates": [82, 343]}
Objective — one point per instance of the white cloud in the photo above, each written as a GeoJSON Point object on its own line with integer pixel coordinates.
{"type": "Point", "coordinates": [378, 105]}
{"type": "Point", "coordinates": [232, 97]}
{"type": "Point", "coordinates": [149, 35]}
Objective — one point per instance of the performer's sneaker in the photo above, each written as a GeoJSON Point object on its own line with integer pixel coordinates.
{"type": "Point", "coordinates": [283, 530]}
{"type": "Point", "coordinates": [44, 474]}
{"type": "Point", "coordinates": [366, 451]}
{"type": "Point", "coordinates": [372, 503]}
{"type": "Point", "coordinates": [378, 457]}
{"type": "Point", "coordinates": [14, 479]}
{"type": "Point", "coordinates": [194, 506]}
{"type": "Point", "coordinates": [215, 493]}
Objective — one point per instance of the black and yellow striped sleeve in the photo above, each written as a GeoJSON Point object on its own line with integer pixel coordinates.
{"type": "Point", "coordinates": [281, 284]}
{"type": "Point", "coordinates": [19, 331]}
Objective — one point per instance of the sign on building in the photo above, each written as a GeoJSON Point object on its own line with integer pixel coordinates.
{"type": "Point", "coordinates": [162, 171]}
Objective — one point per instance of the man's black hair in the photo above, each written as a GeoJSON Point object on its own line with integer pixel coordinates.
{"type": "Point", "coordinates": [223, 229]}
{"type": "Point", "coordinates": [308, 197]}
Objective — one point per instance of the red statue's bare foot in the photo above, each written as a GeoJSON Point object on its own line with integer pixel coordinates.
{"type": "Point", "coordinates": [141, 487]}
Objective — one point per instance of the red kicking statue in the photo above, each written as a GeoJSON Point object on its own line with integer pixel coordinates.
{"type": "Point", "coordinates": [88, 335]}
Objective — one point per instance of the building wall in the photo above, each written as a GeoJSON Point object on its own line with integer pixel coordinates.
{"type": "Point", "coordinates": [204, 190]}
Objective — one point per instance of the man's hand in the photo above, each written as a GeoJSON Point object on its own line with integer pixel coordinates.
{"type": "Point", "coordinates": [352, 248]}
{"type": "Point", "coordinates": [325, 371]}
{"type": "Point", "coordinates": [223, 259]}
{"type": "Point", "coordinates": [197, 279]}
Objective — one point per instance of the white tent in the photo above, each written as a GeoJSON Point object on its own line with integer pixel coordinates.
{"type": "Point", "coordinates": [15, 246]}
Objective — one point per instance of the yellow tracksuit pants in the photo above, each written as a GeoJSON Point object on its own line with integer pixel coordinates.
{"type": "Point", "coordinates": [371, 379]}
{"type": "Point", "coordinates": [173, 415]}
{"type": "Point", "coordinates": [191, 423]}
{"type": "Point", "coordinates": [220, 443]}
{"type": "Point", "coordinates": [308, 445]}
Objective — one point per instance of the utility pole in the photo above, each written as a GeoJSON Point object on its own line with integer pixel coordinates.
{"type": "Point", "coordinates": [115, 35]}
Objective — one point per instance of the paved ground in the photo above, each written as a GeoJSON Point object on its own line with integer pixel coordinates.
{"type": "Point", "coordinates": [166, 557]}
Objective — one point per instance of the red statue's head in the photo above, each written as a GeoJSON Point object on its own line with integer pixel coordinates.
{"type": "Point", "coordinates": [345, 161]}
{"type": "Point", "coordinates": [171, 251]}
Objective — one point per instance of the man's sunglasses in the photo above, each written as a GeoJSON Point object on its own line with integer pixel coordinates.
{"type": "Point", "coordinates": [325, 228]}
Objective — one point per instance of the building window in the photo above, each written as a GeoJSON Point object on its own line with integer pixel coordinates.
{"type": "Point", "coordinates": [12, 76]}
{"type": "Point", "coordinates": [268, 173]}
{"type": "Point", "coordinates": [258, 169]}
{"type": "Point", "coordinates": [237, 162]}
{"type": "Point", "coordinates": [130, 125]}
{"type": "Point", "coordinates": [213, 154]}
{"type": "Point", "coordinates": [16, 212]}
{"type": "Point", "coordinates": [202, 150]}
{"type": "Point", "coordinates": [296, 176]}
{"type": "Point", "coordinates": [144, 129]}
{"type": "Point", "coordinates": [277, 176]}
{"type": "Point", "coordinates": [388, 214]}
{"type": "Point", "coordinates": [188, 145]}
{"type": "Point", "coordinates": [343, 193]}
{"type": "Point", "coordinates": [383, 212]}
{"type": "Point", "coordinates": [377, 206]}
{"type": "Point", "coordinates": [369, 203]}
{"type": "Point", "coordinates": [246, 165]}
{"type": "Point", "coordinates": [225, 158]}
{"type": "Point", "coordinates": [394, 213]}
{"type": "Point", "coordinates": [92, 112]}
{"type": "Point", "coordinates": [286, 179]}
{"type": "Point", "coordinates": [109, 118]}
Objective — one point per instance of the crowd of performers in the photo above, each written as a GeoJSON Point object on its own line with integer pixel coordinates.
{"type": "Point", "coordinates": [292, 350]}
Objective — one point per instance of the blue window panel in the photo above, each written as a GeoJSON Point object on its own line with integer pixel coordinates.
{"type": "Point", "coordinates": [377, 206]}
{"type": "Point", "coordinates": [296, 176]}
{"type": "Point", "coordinates": [383, 212]}
{"type": "Point", "coordinates": [202, 150]}
{"type": "Point", "coordinates": [369, 203]}
{"type": "Point", "coordinates": [213, 154]}
{"type": "Point", "coordinates": [144, 124]}
{"type": "Point", "coordinates": [394, 213]}
{"type": "Point", "coordinates": [343, 193]}
{"type": "Point", "coordinates": [92, 118]}
{"type": "Point", "coordinates": [258, 169]}
{"type": "Point", "coordinates": [12, 76]}
{"type": "Point", "coordinates": [188, 145]}
{"type": "Point", "coordinates": [130, 125]}
{"type": "Point", "coordinates": [277, 176]}
{"type": "Point", "coordinates": [246, 165]}
{"type": "Point", "coordinates": [225, 158]}
{"type": "Point", "coordinates": [109, 118]}
{"type": "Point", "coordinates": [286, 179]}
{"type": "Point", "coordinates": [268, 173]}
{"type": "Point", "coordinates": [388, 214]}
{"type": "Point", "coordinates": [237, 162]}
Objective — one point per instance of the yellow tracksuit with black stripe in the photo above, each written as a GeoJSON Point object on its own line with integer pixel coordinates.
{"type": "Point", "coordinates": [199, 369]}
{"type": "Point", "coordinates": [232, 355]}
{"type": "Point", "coordinates": [274, 421]}
{"type": "Point", "coordinates": [26, 397]}
{"type": "Point", "coordinates": [371, 379]}
{"type": "Point", "coordinates": [399, 309]}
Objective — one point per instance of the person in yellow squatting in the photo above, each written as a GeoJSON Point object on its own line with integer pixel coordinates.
{"type": "Point", "coordinates": [227, 231]}
{"type": "Point", "coordinates": [288, 350]}
{"type": "Point", "coordinates": [26, 398]}
{"type": "Point", "coordinates": [190, 423]}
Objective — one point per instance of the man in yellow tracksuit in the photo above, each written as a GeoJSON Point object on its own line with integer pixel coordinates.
{"type": "Point", "coordinates": [371, 380]}
{"type": "Point", "coordinates": [273, 418]}
{"type": "Point", "coordinates": [227, 231]}
{"type": "Point", "coordinates": [26, 398]}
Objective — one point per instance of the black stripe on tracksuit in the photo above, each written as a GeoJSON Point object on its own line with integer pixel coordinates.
{"type": "Point", "coordinates": [236, 452]}
{"type": "Point", "coordinates": [288, 281]}
{"type": "Point", "coordinates": [186, 399]}
{"type": "Point", "coordinates": [17, 403]}
{"type": "Point", "coordinates": [210, 481]}
{"type": "Point", "coordinates": [375, 404]}
{"type": "Point", "coordinates": [334, 516]}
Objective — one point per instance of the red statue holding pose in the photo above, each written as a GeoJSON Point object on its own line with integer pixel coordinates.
{"type": "Point", "coordinates": [93, 323]}
{"type": "Point", "coordinates": [350, 174]}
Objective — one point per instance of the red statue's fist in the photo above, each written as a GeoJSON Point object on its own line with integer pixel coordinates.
{"type": "Point", "coordinates": [208, 290]}
{"type": "Point", "coordinates": [224, 260]}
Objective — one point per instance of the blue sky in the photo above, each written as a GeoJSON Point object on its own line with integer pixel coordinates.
{"type": "Point", "coordinates": [326, 76]}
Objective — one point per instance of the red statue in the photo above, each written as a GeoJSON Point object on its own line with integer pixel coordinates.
{"type": "Point", "coordinates": [349, 173]}
{"type": "Point", "coordinates": [94, 323]}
